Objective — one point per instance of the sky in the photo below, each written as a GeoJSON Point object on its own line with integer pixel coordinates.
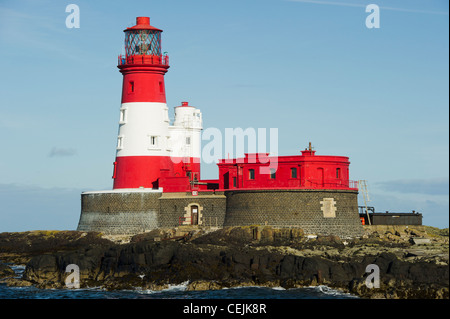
{"type": "Point", "coordinates": [311, 69]}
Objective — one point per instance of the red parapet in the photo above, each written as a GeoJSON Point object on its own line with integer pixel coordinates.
{"type": "Point", "coordinates": [162, 60]}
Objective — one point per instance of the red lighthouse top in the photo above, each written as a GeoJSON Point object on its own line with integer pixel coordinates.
{"type": "Point", "coordinates": [142, 23]}
{"type": "Point", "coordinates": [143, 45]}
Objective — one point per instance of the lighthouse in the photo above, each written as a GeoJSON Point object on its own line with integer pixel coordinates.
{"type": "Point", "coordinates": [156, 177]}
{"type": "Point", "coordinates": [148, 147]}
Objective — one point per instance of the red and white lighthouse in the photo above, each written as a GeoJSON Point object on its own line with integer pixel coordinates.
{"type": "Point", "coordinates": [148, 147]}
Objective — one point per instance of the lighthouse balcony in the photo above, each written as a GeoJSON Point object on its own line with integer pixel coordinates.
{"type": "Point", "coordinates": [162, 60]}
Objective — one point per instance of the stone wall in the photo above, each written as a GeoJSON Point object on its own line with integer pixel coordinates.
{"type": "Point", "coordinates": [119, 212]}
{"type": "Point", "coordinates": [327, 212]}
{"type": "Point", "coordinates": [175, 207]}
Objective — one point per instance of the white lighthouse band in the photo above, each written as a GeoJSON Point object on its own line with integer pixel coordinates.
{"type": "Point", "coordinates": [145, 130]}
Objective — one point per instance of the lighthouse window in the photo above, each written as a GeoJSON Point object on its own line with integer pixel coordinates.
{"type": "Point", "coordinates": [161, 87]}
{"type": "Point", "coordinates": [131, 87]}
{"type": "Point", "coordinates": [251, 174]}
{"type": "Point", "coordinates": [120, 142]}
{"type": "Point", "coordinates": [293, 172]}
{"type": "Point", "coordinates": [188, 140]}
{"type": "Point", "coordinates": [273, 173]}
{"type": "Point", "coordinates": [338, 173]}
{"type": "Point", "coordinates": [153, 141]}
{"type": "Point", "coordinates": [122, 115]}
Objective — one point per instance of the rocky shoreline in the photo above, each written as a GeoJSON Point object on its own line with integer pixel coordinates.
{"type": "Point", "coordinates": [413, 261]}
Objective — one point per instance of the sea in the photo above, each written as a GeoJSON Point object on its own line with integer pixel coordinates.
{"type": "Point", "coordinates": [173, 292]}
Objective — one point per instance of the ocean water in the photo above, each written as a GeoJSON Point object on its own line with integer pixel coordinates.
{"type": "Point", "coordinates": [173, 292]}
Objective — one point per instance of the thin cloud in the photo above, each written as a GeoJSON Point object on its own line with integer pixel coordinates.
{"type": "Point", "coordinates": [62, 152]}
{"type": "Point", "coordinates": [357, 5]}
{"type": "Point", "coordinates": [417, 186]}
{"type": "Point", "coordinates": [48, 33]}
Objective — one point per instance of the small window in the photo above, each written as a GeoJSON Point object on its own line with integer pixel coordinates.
{"type": "Point", "coordinates": [273, 173]}
{"type": "Point", "coordinates": [338, 173]}
{"type": "Point", "coordinates": [120, 142]}
{"type": "Point", "coordinates": [123, 116]}
{"type": "Point", "coordinates": [294, 172]}
{"type": "Point", "coordinates": [251, 174]}
{"type": "Point", "coordinates": [131, 87]}
{"type": "Point", "coordinates": [234, 182]}
{"type": "Point", "coordinates": [188, 140]}
{"type": "Point", "coordinates": [153, 141]}
{"type": "Point", "coordinates": [161, 87]}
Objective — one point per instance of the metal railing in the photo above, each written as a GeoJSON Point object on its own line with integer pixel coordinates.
{"type": "Point", "coordinates": [184, 220]}
{"type": "Point", "coordinates": [331, 183]}
{"type": "Point", "coordinates": [144, 59]}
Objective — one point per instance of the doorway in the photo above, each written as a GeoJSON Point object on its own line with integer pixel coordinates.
{"type": "Point", "coordinates": [194, 215]}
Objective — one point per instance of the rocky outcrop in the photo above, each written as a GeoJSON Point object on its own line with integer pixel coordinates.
{"type": "Point", "coordinates": [19, 247]}
{"type": "Point", "coordinates": [258, 255]}
{"type": "Point", "coordinates": [5, 271]}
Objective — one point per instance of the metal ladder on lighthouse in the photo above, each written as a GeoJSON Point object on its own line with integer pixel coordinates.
{"type": "Point", "coordinates": [362, 185]}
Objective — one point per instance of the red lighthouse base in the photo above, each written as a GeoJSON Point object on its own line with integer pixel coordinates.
{"type": "Point", "coordinates": [154, 172]}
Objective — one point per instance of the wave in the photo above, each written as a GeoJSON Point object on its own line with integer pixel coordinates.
{"type": "Point", "coordinates": [331, 292]}
{"type": "Point", "coordinates": [171, 288]}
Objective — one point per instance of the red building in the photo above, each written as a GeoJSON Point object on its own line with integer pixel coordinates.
{"type": "Point", "coordinates": [307, 171]}
{"type": "Point", "coordinates": [261, 171]}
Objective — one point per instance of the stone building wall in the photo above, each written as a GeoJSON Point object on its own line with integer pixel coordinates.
{"type": "Point", "coordinates": [119, 212]}
{"type": "Point", "coordinates": [327, 212]}
{"type": "Point", "coordinates": [176, 208]}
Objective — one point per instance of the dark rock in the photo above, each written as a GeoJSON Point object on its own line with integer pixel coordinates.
{"type": "Point", "coordinates": [19, 247]}
{"type": "Point", "coordinates": [236, 255]}
{"type": "Point", "coordinates": [5, 271]}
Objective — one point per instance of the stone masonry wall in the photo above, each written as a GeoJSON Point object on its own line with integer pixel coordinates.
{"type": "Point", "coordinates": [327, 212]}
{"type": "Point", "coordinates": [176, 207]}
{"type": "Point", "coordinates": [119, 213]}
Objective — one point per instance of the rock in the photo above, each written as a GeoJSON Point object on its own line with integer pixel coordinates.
{"type": "Point", "coordinates": [253, 255]}
{"type": "Point", "coordinates": [19, 247]}
{"type": "Point", "coordinates": [5, 271]}
{"type": "Point", "coordinates": [420, 241]}
{"type": "Point", "coordinates": [17, 282]}
{"type": "Point", "coordinates": [154, 235]}
{"type": "Point", "coordinates": [203, 285]}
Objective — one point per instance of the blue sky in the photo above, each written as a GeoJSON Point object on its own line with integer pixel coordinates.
{"type": "Point", "coordinates": [312, 69]}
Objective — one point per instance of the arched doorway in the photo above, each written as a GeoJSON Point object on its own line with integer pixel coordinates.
{"type": "Point", "coordinates": [194, 215]}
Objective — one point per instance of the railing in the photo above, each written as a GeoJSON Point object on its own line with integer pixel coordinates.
{"type": "Point", "coordinates": [352, 184]}
{"type": "Point", "coordinates": [317, 183]}
{"type": "Point", "coordinates": [144, 59]}
{"type": "Point", "coordinates": [184, 220]}
{"type": "Point", "coordinates": [207, 221]}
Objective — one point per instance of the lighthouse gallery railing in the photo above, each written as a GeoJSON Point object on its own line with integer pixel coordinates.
{"type": "Point", "coordinates": [144, 59]}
